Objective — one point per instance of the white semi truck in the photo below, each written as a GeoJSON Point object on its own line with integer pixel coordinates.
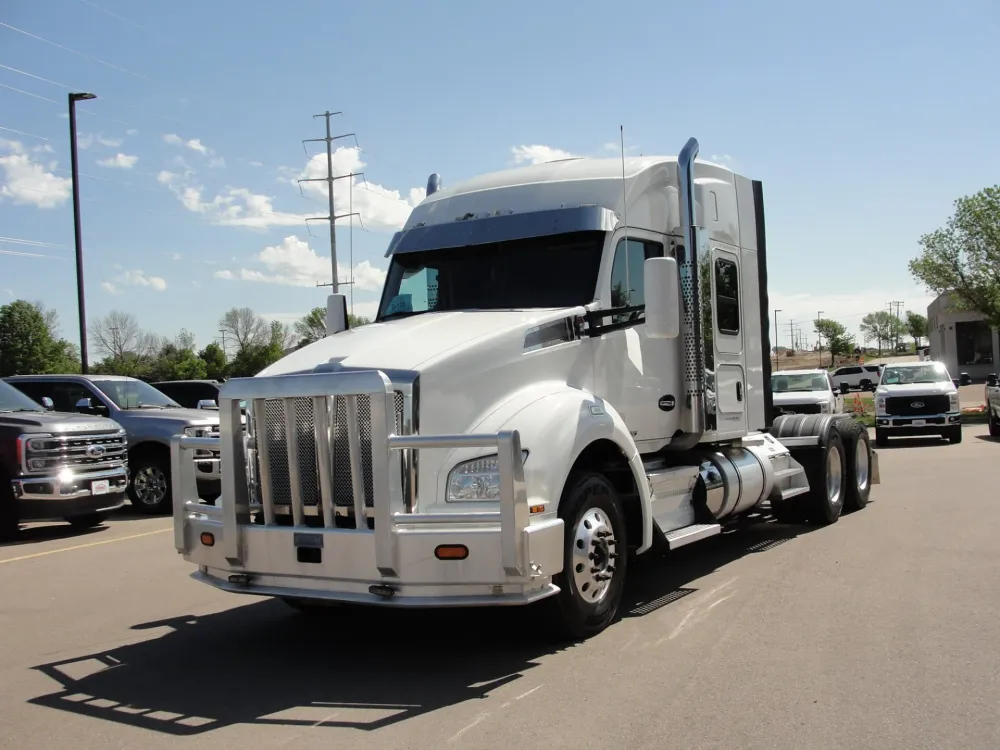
{"type": "Point", "coordinates": [529, 410]}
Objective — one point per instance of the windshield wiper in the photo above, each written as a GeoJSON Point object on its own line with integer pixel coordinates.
{"type": "Point", "coordinates": [12, 411]}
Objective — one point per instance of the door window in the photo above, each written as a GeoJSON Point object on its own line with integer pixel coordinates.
{"type": "Point", "coordinates": [627, 279]}
{"type": "Point", "coordinates": [727, 296]}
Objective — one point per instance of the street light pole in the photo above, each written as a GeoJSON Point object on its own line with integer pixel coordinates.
{"type": "Point", "coordinates": [819, 335]}
{"type": "Point", "coordinates": [81, 303]}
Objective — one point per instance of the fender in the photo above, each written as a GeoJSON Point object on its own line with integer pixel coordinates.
{"type": "Point", "coordinates": [557, 423]}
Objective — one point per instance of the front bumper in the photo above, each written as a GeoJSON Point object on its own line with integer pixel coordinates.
{"type": "Point", "coordinates": [930, 424]}
{"type": "Point", "coordinates": [510, 556]}
{"type": "Point", "coordinates": [45, 498]}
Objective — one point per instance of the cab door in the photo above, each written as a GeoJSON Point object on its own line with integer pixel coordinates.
{"type": "Point", "coordinates": [727, 345]}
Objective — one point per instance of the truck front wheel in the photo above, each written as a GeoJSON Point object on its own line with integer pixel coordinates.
{"type": "Point", "coordinates": [595, 557]}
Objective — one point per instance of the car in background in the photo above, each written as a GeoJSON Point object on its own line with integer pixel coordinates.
{"type": "Point", "coordinates": [863, 377]}
{"type": "Point", "coordinates": [150, 419]}
{"type": "Point", "coordinates": [917, 398]}
{"type": "Point", "coordinates": [57, 466]}
{"type": "Point", "coordinates": [805, 392]}
{"type": "Point", "coordinates": [194, 394]}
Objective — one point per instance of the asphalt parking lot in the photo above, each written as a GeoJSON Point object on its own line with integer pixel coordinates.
{"type": "Point", "coordinates": [881, 631]}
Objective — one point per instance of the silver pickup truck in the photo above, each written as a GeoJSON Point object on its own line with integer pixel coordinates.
{"type": "Point", "coordinates": [993, 403]}
{"type": "Point", "coordinates": [150, 419]}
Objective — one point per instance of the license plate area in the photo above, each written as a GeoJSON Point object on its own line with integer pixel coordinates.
{"type": "Point", "coordinates": [100, 487]}
{"type": "Point", "coordinates": [919, 422]}
{"type": "Point", "coordinates": [308, 547]}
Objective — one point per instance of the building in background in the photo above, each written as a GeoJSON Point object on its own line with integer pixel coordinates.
{"type": "Point", "coordinates": [963, 341]}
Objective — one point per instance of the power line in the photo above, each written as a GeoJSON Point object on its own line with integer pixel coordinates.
{"type": "Point", "coordinates": [77, 52]}
{"type": "Point", "coordinates": [35, 243]}
{"type": "Point", "coordinates": [21, 132]}
{"type": "Point", "coordinates": [28, 93]}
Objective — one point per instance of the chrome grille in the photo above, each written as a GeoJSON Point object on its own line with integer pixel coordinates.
{"type": "Point", "coordinates": [44, 454]}
{"type": "Point", "coordinates": [273, 431]}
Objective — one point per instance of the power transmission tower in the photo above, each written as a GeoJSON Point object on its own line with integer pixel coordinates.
{"type": "Point", "coordinates": [329, 180]}
{"type": "Point", "coordinates": [894, 308]}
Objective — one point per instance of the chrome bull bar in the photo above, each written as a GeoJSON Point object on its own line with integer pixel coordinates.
{"type": "Point", "coordinates": [390, 509]}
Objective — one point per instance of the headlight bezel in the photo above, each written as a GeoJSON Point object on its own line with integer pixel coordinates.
{"type": "Point", "coordinates": [488, 478]}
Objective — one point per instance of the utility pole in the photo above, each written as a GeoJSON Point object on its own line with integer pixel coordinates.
{"type": "Point", "coordinates": [819, 335]}
{"type": "Point", "coordinates": [791, 334]}
{"type": "Point", "coordinates": [894, 307]}
{"type": "Point", "coordinates": [329, 179]}
{"type": "Point", "coordinates": [776, 337]}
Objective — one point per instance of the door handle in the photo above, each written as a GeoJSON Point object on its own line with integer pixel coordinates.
{"type": "Point", "coordinates": [739, 391]}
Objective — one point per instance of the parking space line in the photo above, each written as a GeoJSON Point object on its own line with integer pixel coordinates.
{"type": "Point", "coordinates": [84, 546]}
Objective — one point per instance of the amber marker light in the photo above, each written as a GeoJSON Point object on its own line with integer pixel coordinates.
{"type": "Point", "coordinates": [451, 552]}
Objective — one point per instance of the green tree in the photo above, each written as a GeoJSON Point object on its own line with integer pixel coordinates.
{"type": "Point", "coordinates": [356, 321]}
{"type": "Point", "coordinates": [964, 257]}
{"type": "Point", "coordinates": [127, 348]}
{"type": "Point", "coordinates": [215, 361]}
{"type": "Point", "coordinates": [176, 363]}
{"type": "Point", "coordinates": [882, 326]}
{"type": "Point", "coordinates": [835, 337]}
{"type": "Point", "coordinates": [26, 346]}
{"type": "Point", "coordinates": [312, 326]}
{"type": "Point", "coordinates": [916, 325]}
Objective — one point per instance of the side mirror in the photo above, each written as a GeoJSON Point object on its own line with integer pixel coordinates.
{"type": "Point", "coordinates": [48, 403]}
{"type": "Point", "coordinates": [85, 405]}
{"type": "Point", "coordinates": [663, 303]}
{"type": "Point", "coordinates": [991, 380]}
{"type": "Point", "coordinates": [207, 403]}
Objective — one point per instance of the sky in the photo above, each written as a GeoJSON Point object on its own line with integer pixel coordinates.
{"type": "Point", "coordinates": [865, 121]}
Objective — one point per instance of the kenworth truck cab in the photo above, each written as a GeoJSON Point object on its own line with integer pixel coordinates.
{"type": "Point", "coordinates": [528, 411]}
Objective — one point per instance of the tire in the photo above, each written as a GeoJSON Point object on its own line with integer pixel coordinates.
{"type": "Point", "coordinates": [825, 471]}
{"type": "Point", "coordinates": [149, 487]}
{"type": "Point", "coordinates": [994, 426]}
{"type": "Point", "coordinates": [881, 439]}
{"type": "Point", "coordinates": [88, 520]}
{"type": "Point", "coordinates": [595, 526]}
{"type": "Point", "coordinates": [788, 511]}
{"type": "Point", "coordinates": [858, 465]}
{"type": "Point", "coordinates": [953, 434]}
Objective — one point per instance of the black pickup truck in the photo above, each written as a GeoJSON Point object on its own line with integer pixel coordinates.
{"type": "Point", "coordinates": [57, 466]}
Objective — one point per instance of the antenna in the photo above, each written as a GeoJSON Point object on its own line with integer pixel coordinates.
{"type": "Point", "coordinates": [628, 281]}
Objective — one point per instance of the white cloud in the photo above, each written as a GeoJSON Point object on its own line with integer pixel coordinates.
{"type": "Point", "coordinates": [89, 140]}
{"type": "Point", "coordinates": [177, 256]}
{"type": "Point", "coordinates": [27, 181]}
{"type": "Point", "coordinates": [255, 163]}
{"type": "Point", "coordinates": [9, 292]}
{"type": "Point", "coordinates": [119, 161]}
{"type": "Point", "coordinates": [131, 131]}
{"type": "Point", "coordinates": [847, 308]}
{"type": "Point", "coordinates": [134, 278]}
{"type": "Point", "coordinates": [538, 154]}
{"type": "Point", "coordinates": [294, 263]}
{"type": "Point", "coordinates": [379, 206]}
{"type": "Point", "coordinates": [194, 144]}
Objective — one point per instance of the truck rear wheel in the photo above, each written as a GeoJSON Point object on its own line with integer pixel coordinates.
{"type": "Point", "coordinates": [595, 557]}
{"type": "Point", "coordinates": [825, 471]}
{"type": "Point", "coordinates": [858, 469]}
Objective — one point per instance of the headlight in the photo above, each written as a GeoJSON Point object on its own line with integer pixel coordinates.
{"type": "Point", "coordinates": [477, 480]}
{"type": "Point", "coordinates": [824, 408]}
{"type": "Point", "coordinates": [200, 430]}
{"type": "Point", "coordinates": [953, 401]}
{"type": "Point", "coordinates": [880, 405]}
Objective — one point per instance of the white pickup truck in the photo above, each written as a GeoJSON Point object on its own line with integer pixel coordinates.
{"type": "Point", "coordinates": [805, 392]}
{"type": "Point", "coordinates": [917, 398]}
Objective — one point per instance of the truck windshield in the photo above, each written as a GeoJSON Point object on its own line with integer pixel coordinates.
{"type": "Point", "coordinates": [134, 394]}
{"type": "Point", "coordinates": [12, 399]}
{"type": "Point", "coordinates": [807, 381]}
{"type": "Point", "coordinates": [539, 272]}
{"type": "Point", "coordinates": [932, 372]}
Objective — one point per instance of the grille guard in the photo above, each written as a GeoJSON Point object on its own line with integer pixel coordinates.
{"type": "Point", "coordinates": [390, 508]}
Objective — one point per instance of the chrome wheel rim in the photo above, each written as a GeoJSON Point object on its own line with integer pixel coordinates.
{"type": "Point", "coordinates": [833, 475]}
{"type": "Point", "coordinates": [861, 464]}
{"type": "Point", "coordinates": [150, 485]}
{"type": "Point", "coordinates": [594, 555]}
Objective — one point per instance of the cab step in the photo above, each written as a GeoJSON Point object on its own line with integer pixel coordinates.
{"type": "Point", "coordinates": [693, 533]}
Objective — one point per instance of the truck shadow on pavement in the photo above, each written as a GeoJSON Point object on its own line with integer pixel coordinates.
{"type": "Point", "coordinates": [265, 665]}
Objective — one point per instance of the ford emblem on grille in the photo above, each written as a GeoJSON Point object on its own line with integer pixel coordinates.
{"type": "Point", "coordinates": [95, 451]}
{"type": "Point", "coordinates": [917, 404]}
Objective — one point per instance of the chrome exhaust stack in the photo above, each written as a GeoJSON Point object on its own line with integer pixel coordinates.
{"type": "Point", "coordinates": [695, 419]}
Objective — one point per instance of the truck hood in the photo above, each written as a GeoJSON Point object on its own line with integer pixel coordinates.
{"type": "Point", "coordinates": [800, 397]}
{"type": "Point", "coordinates": [407, 343]}
{"type": "Point", "coordinates": [56, 422]}
{"type": "Point", "coordinates": [916, 389]}
{"type": "Point", "coordinates": [187, 416]}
